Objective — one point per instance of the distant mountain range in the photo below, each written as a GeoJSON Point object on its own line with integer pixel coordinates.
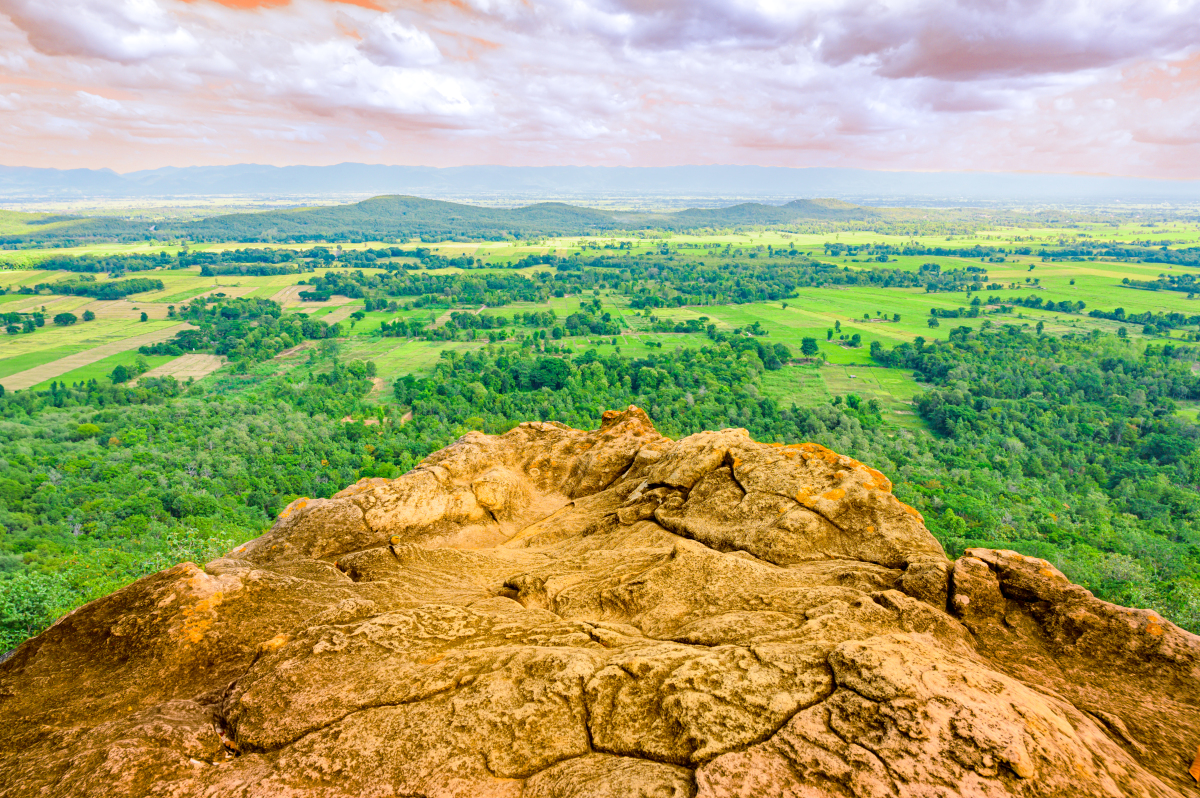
{"type": "Point", "coordinates": [401, 218]}
{"type": "Point", "coordinates": [525, 184]}
{"type": "Point", "coordinates": [406, 218]}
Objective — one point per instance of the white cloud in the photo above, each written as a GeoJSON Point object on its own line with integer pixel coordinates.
{"type": "Point", "coordinates": [125, 31]}
{"type": "Point", "coordinates": [389, 42]}
{"type": "Point", "coordinates": [904, 83]}
{"type": "Point", "coordinates": [96, 102]}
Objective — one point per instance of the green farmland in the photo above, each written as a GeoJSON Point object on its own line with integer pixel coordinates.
{"type": "Point", "coordinates": [809, 313]}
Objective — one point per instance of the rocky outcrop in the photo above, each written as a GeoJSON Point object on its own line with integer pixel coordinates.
{"type": "Point", "coordinates": [553, 612]}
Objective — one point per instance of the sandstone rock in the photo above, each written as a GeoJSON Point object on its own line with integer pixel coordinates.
{"type": "Point", "coordinates": [558, 613]}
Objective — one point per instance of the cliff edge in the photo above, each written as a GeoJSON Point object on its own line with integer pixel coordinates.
{"type": "Point", "coordinates": [552, 612]}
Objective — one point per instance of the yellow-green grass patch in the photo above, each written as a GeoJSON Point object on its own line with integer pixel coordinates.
{"type": "Point", "coordinates": [18, 363]}
{"type": "Point", "coordinates": [100, 369]}
{"type": "Point", "coordinates": [396, 357]}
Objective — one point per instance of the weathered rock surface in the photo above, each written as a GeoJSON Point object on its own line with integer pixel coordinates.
{"type": "Point", "coordinates": [553, 612]}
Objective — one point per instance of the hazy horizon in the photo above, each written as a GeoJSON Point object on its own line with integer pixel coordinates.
{"type": "Point", "coordinates": [643, 188]}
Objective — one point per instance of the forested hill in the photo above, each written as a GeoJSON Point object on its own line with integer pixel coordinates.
{"type": "Point", "coordinates": [754, 213]}
{"type": "Point", "coordinates": [405, 218]}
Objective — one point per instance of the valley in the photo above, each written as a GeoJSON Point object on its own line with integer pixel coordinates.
{"type": "Point", "coordinates": [1050, 365]}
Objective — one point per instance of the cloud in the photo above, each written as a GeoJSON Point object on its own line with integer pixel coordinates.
{"type": "Point", "coordinates": [125, 31]}
{"type": "Point", "coordinates": [1068, 85]}
{"type": "Point", "coordinates": [389, 42]}
{"type": "Point", "coordinates": [95, 102]}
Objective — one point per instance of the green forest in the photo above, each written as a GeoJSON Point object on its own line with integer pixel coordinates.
{"type": "Point", "coordinates": [1066, 448]}
{"type": "Point", "coordinates": [1037, 421]}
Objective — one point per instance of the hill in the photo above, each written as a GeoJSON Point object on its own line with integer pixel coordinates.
{"type": "Point", "coordinates": [754, 213]}
{"type": "Point", "coordinates": [404, 217]}
{"type": "Point", "coordinates": [553, 612]}
{"type": "Point", "coordinates": [387, 218]}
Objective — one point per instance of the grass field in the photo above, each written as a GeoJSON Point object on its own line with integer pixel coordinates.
{"type": "Point", "coordinates": [812, 313]}
{"type": "Point", "coordinates": [28, 360]}
{"type": "Point", "coordinates": [395, 357]}
{"type": "Point", "coordinates": [100, 369]}
{"type": "Point", "coordinates": [37, 357]}
{"type": "Point", "coordinates": [806, 385]}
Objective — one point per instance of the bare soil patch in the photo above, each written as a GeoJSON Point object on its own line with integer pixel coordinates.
{"type": "Point", "coordinates": [195, 366]}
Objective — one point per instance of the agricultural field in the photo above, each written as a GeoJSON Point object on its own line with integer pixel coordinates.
{"type": "Point", "coordinates": [888, 315]}
{"type": "Point", "coordinates": [55, 353]}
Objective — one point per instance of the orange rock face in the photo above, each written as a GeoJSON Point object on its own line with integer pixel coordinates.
{"type": "Point", "coordinates": [553, 612]}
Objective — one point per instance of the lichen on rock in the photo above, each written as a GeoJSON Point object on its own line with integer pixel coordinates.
{"type": "Point", "coordinates": [556, 612]}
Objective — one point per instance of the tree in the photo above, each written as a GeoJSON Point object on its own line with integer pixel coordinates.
{"type": "Point", "coordinates": [829, 334]}
{"type": "Point", "coordinates": [86, 431]}
{"type": "Point", "coordinates": [895, 317]}
{"type": "Point", "coordinates": [549, 372]}
{"type": "Point", "coordinates": [1040, 326]}
{"type": "Point", "coordinates": [89, 316]}
{"type": "Point", "coordinates": [144, 316]}
{"type": "Point", "coordinates": [933, 322]}
{"type": "Point", "coordinates": [65, 319]}
{"type": "Point", "coordinates": [953, 525]}
{"type": "Point", "coordinates": [808, 347]}
{"type": "Point", "coordinates": [119, 375]}
{"type": "Point", "coordinates": [856, 340]}
{"type": "Point", "coordinates": [1122, 332]}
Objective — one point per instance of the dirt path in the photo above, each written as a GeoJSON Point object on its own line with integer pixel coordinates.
{"type": "Point", "coordinates": [48, 371]}
{"type": "Point", "coordinates": [184, 366]}
{"type": "Point", "coordinates": [295, 350]}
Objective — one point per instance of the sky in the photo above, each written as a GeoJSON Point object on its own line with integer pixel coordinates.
{"type": "Point", "coordinates": [1098, 87]}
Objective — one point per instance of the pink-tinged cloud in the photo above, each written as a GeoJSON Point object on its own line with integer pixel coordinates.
{"type": "Point", "coordinates": [1059, 85]}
